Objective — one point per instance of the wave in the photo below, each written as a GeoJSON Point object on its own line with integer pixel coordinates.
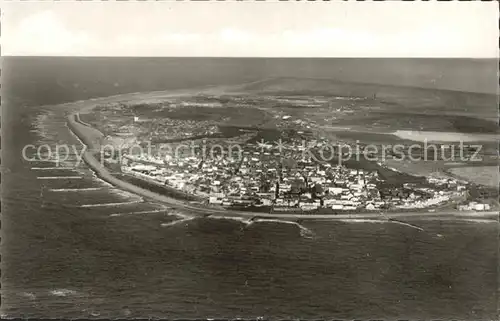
{"type": "Point", "coordinates": [240, 219]}
{"type": "Point", "coordinates": [42, 126]}
{"type": "Point", "coordinates": [139, 212]}
{"type": "Point", "coordinates": [382, 221]}
{"type": "Point", "coordinates": [52, 168]}
{"type": "Point", "coordinates": [160, 205]}
{"type": "Point", "coordinates": [361, 220]}
{"type": "Point", "coordinates": [43, 160]}
{"type": "Point", "coordinates": [406, 224]}
{"type": "Point", "coordinates": [60, 163]}
{"type": "Point", "coordinates": [52, 155]}
{"type": "Point", "coordinates": [177, 222]}
{"type": "Point", "coordinates": [29, 295]}
{"type": "Point", "coordinates": [109, 204]}
{"type": "Point", "coordinates": [304, 231]}
{"type": "Point", "coordinates": [104, 183]}
{"type": "Point", "coordinates": [76, 189]}
{"type": "Point", "coordinates": [125, 194]}
{"type": "Point", "coordinates": [91, 312]}
{"type": "Point", "coordinates": [477, 220]}
{"type": "Point", "coordinates": [67, 164]}
{"type": "Point", "coordinates": [59, 177]}
{"type": "Point", "coordinates": [182, 215]}
{"type": "Point", "coordinates": [62, 292]}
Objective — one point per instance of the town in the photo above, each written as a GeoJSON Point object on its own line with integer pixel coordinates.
{"type": "Point", "coordinates": [278, 176]}
{"type": "Point", "coordinates": [264, 179]}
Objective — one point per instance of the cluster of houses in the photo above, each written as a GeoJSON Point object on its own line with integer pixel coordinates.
{"type": "Point", "coordinates": [153, 129]}
{"type": "Point", "coordinates": [261, 179]}
{"type": "Point", "coordinates": [326, 186]}
{"type": "Point", "coordinates": [474, 206]}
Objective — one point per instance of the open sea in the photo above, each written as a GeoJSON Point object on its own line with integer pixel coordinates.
{"type": "Point", "coordinates": [77, 247]}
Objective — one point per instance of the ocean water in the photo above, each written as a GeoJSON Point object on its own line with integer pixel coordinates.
{"type": "Point", "coordinates": [68, 253]}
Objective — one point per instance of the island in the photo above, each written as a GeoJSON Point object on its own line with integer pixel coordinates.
{"type": "Point", "coordinates": [278, 148]}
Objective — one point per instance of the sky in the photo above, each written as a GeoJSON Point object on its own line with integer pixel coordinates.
{"type": "Point", "coordinates": [250, 29]}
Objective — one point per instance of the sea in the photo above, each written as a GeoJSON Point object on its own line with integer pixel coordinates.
{"type": "Point", "coordinates": [74, 246]}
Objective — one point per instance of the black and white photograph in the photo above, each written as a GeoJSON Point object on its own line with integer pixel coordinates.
{"type": "Point", "coordinates": [254, 160]}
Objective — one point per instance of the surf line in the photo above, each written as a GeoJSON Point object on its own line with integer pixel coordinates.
{"type": "Point", "coordinates": [54, 160]}
{"type": "Point", "coordinates": [51, 168]}
{"type": "Point", "coordinates": [177, 222]}
{"type": "Point", "coordinates": [389, 219]}
{"type": "Point", "coordinates": [304, 231]}
{"type": "Point", "coordinates": [76, 189]}
{"type": "Point", "coordinates": [59, 177]}
{"type": "Point", "coordinates": [406, 224]}
{"type": "Point", "coordinates": [109, 204]}
{"type": "Point", "coordinates": [243, 220]}
{"type": "Point", "coordinates": [135, 213]}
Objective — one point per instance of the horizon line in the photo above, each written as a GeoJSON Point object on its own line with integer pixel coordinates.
{"type": "Point", "coordinates": [254, 57]}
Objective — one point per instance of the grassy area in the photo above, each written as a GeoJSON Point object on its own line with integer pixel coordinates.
{"type": "Point", "coordinates": [393, 107]}
{"type": "Point", "coordinates": [484, 175]}
{"type": "Point", "coordinates": [226, 114]}
{"type": "Point", "coordinates": [392, 118]}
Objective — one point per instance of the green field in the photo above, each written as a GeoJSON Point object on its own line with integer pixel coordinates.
{"type": "Point", "coordinates": [482, 175]}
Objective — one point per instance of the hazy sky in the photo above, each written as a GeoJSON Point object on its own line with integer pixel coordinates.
{"type": "Point", "coordinates": [272, 29]}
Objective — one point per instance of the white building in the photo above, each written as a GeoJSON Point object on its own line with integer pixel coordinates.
{"type": "Point", "coordinates": [335, 190]}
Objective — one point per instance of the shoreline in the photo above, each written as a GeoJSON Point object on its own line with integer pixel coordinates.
{"type": "Point", "coordinates": [86, 133]}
